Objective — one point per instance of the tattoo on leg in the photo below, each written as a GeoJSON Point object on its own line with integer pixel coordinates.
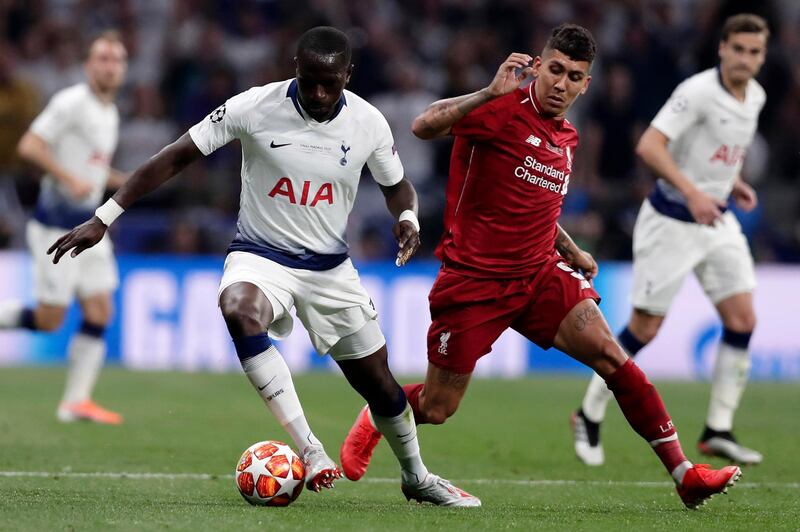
{"type": "Point", "coordinates": [585, 317]}
{"type": "Point", "coordinates": [456, 381]}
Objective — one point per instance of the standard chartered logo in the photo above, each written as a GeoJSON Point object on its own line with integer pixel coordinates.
{"type": "Point", "coordinates": [530, 164]}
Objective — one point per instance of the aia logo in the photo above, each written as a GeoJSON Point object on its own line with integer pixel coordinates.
{"type": "Point", "coordinates": [284, 187]}
{"type": "Point", "coordinates": [729, 156]}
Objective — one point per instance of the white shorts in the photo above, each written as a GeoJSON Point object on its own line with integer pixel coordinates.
{"type": "Point", "coordinates": [665, 250]}
{"type": "Point", "coordinates": [92, 272]}
{"type": "Point", "coordinates": [331, 304]}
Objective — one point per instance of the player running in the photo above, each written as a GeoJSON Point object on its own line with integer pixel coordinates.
{"type": "Point", "coordinates": [73, 141]}
{"type": "Point", "coordinates": [506, 262]}
{"type": "Point", "coordinates": [696, 144]}
{"type": "Point", "coordinates": [304, 143]}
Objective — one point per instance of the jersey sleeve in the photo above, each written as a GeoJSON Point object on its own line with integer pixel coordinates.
{"type": "Point", "coordinates": [223, 124]}
{"type": "Point", "coordinates": [384, 161]}
{"type": "Point", "coordinates": [58, 115]}
{"type": "Point", "coordinates": [683, 109]}
{"type": "Point", "coordinates": [484, 122]}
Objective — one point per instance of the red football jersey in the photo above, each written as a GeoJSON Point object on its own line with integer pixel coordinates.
{"type": "Point", "coordinates": [509, 173]}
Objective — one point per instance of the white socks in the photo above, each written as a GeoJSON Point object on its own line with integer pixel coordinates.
{"type": "Point", "coordinates": [11, 314]}
{"type": "Point", "coordinates": [728, 383]}
{"type": "Point", "coordinates": [401, 433]}
{"type": "Point", "coordinates": [679, 472]}
{"type": "Point", "coordinates": [270, 376]}
{"type": "Point", "coordinates": [596, 399]}
{"type": "Point", "coordinates": [86, 355]}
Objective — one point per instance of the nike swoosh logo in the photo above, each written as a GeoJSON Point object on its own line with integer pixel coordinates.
{"type": "Point", "coordinates": [267, 384]}
{"type": "Point", "coordinates": [273, 145]}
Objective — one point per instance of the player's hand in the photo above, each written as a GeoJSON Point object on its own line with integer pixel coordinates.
{"type": "Point", "coordinates": [744, 196]}
{"type": "Point", "coordinates": [507, 79]}
{"type": "Point", "coordinates": [585, 263]}
{"type": "Point", "coordinates": [407, 240]}
{"type": "Point", "coordinates": [79, 239]}
{"type": "Point", "coordinates": [78, 189]}
{"type": "Point", "coordinates": [705, 208]}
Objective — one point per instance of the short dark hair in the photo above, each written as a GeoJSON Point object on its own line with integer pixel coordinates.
{"type": "Point", "coordinates": [744, 23]}
{"type": "Point", "coordinates": [576, 42]}
{"type": "Point", "coordinates": [325, 40]}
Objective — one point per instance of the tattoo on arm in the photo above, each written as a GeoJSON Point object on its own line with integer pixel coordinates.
{"type": "Point", "coordinates": [585, 317]}
{"type": "Point", "coordinates": [564, 245]}
{"type": "Point", "coordinates": [441, 115]}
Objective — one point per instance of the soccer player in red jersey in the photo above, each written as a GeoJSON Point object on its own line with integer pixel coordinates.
{"type": "Point", "coordinates": [507, 263]}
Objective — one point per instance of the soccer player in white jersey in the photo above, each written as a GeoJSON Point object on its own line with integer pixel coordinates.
{"type": "Point", "coordinates": [696, 145]}
{"type": "Point", "coordinates": [304, 143]}
{"type": "Point", "coordinates": [72, 141]}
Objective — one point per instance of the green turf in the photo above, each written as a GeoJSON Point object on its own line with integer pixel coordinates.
{"type": "Point", "coordinates": [506, 431]}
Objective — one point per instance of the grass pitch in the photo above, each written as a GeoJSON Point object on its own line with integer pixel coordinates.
{"type": "Point", "coordinates": [510, 444]}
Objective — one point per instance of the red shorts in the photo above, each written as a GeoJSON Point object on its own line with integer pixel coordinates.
{"type": "Point", "coordinates": [468, 313]}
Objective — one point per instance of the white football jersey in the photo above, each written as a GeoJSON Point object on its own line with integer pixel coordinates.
{"type": "Point", "coordinates": [299, 176]}
{"type": "Point", "coordinates": [709, 132]}
{"type": "Point", "coordinates": [81, 131]}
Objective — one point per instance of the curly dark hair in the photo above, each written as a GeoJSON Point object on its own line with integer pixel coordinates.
{"type": "Point", "coordinates": [576, 42]}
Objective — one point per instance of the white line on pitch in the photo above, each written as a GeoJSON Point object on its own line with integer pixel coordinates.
{"type": "Point", "coordinates": [378, 480]}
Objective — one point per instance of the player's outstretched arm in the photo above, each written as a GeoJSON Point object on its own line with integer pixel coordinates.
{"type": "Point", "coordinates": [653, 150]}
{"type": "Point", "coordinates": [155, 172]}
{"type": "Point", "coordinates": [575, 256]}
{"type": "Point", "coordinates": [401, 199]}
{"type": "Point", "coordinates": [440, 116]}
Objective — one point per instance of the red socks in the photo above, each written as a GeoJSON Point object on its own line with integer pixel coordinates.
{"type": "Point", "coordinates": [412, 395]}
{"type": "Point", "coordinates": [644, 410]}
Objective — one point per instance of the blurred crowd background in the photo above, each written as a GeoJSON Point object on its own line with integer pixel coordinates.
{"type": "Point", "coordinates": [189, 56]}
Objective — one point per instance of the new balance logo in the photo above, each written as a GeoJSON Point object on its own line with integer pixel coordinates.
{"type": "Point", "coordinates": [443, 338]}
{"type": "Point", "coordinates": [534, 141]}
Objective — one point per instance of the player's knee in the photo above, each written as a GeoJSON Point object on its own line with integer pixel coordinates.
{"type": "Point", "coordinates": [644, 326]}
{"type": "Point", "coordinates": [610, 357]}
{"type": "Point", "coordinates": [437, 414]}
{"type": "Point", "coordinates": [48, 321]}
{"type": "Point", "coordinates": [742, 323]}
{"type": "Point", "coordinates": [241, 317]}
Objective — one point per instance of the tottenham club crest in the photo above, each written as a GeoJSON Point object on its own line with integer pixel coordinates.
{"type": "Point", "coordinates": [217, 114]}
{"type": "Point", "coordinates": [345, 149]}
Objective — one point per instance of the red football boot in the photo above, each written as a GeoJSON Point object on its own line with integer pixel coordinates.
{"type": "Point", "coordinates": [701, 483]}
{"type": "Point", "coordinates": [358, 446]}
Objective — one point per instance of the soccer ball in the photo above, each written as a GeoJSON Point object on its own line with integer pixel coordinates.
{"type": "Point", "coordinates": [269, 473]}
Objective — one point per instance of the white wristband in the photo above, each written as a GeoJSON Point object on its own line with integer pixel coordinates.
{"type": "Point", "coordinates": [409, 216]}
{"type": "Point", "coordinates": [108, 212]}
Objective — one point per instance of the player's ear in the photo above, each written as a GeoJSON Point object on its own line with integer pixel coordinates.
{"type": "Point", "coordinates": [536, 66]}
{"type": "Point", "coordinates": [349, 73]}
{"type": "Point", "coordinates": [586, 85]}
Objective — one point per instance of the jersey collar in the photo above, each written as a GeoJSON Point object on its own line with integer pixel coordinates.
{"type": "Point", "coordinates": [292, 93]}
{"type": "Point", "coordinates": [721, 84]}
